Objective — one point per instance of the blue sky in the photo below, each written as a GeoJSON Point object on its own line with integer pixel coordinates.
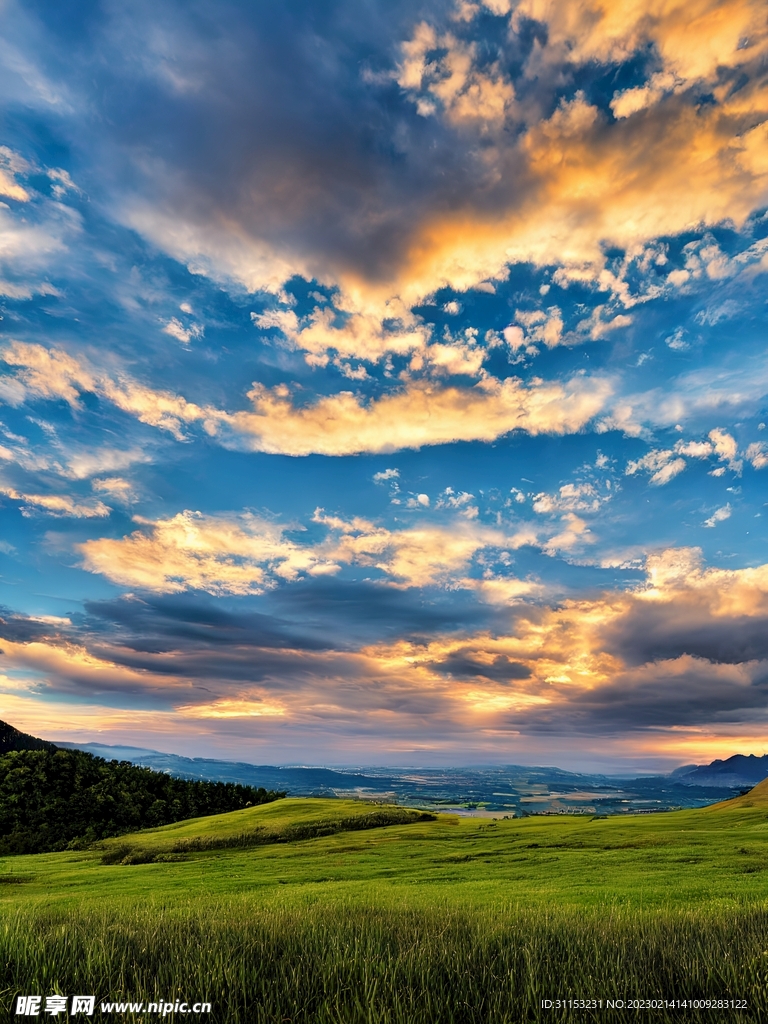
{"type": "Point", "coordinates": [386, 383]}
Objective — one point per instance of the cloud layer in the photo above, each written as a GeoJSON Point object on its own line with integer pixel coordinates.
{"type": "Point", "coordinates": [386, 380]}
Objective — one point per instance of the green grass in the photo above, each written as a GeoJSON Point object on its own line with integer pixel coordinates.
{"type": "Point", "coordinates": [456, 919]}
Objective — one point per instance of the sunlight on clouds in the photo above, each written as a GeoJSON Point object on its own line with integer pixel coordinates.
{"type": "Point", "coordinates": [342, 424]}
{"type": "Point", "coordinates": [695, 38]}
{"type": "Point", "coordinates": [757, 454]}
{"type": "Point", "coordinates": [11, 164]}
{"type": "Point", "coordinates": [420, 414]}
{"type": "Point", "coordinates": [65, 667]}
{"type": "Point", "coordinates": [116, 487]}
{"type": "Point", "coordinates": [219, 555]}
{"type": "Point", "coordinates": [466, 94]}
{"type": "Point", "coordinates": [57, 504]}
{"type": "Point", "coordinates": [621, 665]}
{"type": "Point", "coordinates": [418, 557]}
{"type": "Point", "coordinates": [358, 335]}
{"type": "Point", "coordinates": [665, 464]}
{"type": "Point", "coordinates": [552, 187]}
{"type": "Point", "coordinates": [243, 707]}
{"type": "Point", "coordinates": [727, 592]}
{"type": "Point", "coordinates": [504, 590]}
{"type": "Point", "coordinates": [244, 554]}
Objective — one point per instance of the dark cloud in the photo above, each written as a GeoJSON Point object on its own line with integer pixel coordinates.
{"type": "Point", "coordinates": [310, 615]}
{"type": "Point", "coordinates": [263, 115]}
{"type": "Point", "coordinates": [20, 629]}
{"type": "Point", "coordinates": [659, 698]}
{"type": "Point", "coordinates": [364, 612]}
{"type": "Point", "coordinates": [281, 125]}
{"type": "Point", "coordinates": [157, 624]}
{"type": "Point", "coordinates": [461, 665]}
{"type": "Point", "coordinates": [655, 632]}
{"type": "Point", "coordinates": [195, 637]}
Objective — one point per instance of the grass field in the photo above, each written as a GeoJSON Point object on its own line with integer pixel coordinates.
{"type": "Point", "coordinates": [452, 919]}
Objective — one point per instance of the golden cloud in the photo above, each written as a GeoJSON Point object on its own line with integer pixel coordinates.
{"type": "Point", "coordinates": [58, 504]}
{"type": "Point", "coordinates": [192, 551]}
{"type": "Point", "coordinates": [245, 554]}
{"type": "Point", "coordinates": [551, 187]}
{"type": "Point", "coordinates": [675, 663]}
{"type": "Point", "coordinates": [419, 413]}
{"type": "Point", "coordinates": [420, 556]}
{"type": "Point", "coordinates": [694, 38]}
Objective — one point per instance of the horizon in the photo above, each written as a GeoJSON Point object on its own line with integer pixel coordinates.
{"type": "Point", "coordinates": [342, 766]}
{"type": "Point", "coordinates": [386, 381]}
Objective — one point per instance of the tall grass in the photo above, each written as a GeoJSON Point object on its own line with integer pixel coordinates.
{"type": "Point", "coordinates": [326, 964]}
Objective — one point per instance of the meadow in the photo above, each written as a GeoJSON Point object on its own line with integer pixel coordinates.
{"type": "Point", "coordinates": [336, 911]}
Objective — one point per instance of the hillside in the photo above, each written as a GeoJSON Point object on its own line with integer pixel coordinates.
{"type": "Point", "coordinates": [755, 799]}
{"type": "Point", "coordinates": [321, 910]}
{"type": "Point", "coordinates": [331, 848]}
{"type": "Point", "coordinates": [52, 799]}
{"type": "Point", "coordinates": [12, 739]}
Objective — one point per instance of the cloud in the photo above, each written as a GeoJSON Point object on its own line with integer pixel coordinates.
{"type": "Point", "coordinates": [470, 663]}
{"type": "Point", "coordinates": [34, 234]}
{"type": "Point", "coordinates": [419, 414]}
{"type": "Point", "coordinates": [718, 516]}
{"type": "Point", "coordinates": [715, 389]}
{"type": "Point", "coordinates": [694, 40]}
{"type": "Point", "coordinates": [661, 464]}
{"type": "Point", "coordinates": [190, 551]}
{"type": "Point", "coordinates": [116, 487]}
{"type": "Point", "coordinates": [11, 165]}
{"type": "Point", "coordinates": [685, 650]}
{"type": "Point", "coordinates": [575, 532]}
{"type": "Point", "coordinates": [726, 449]}
{"type": "Point", "coordinates": [757, 454]}
{"type": "Point", "coordinates": [177, 330]}
{"type": "Point", "coordinates": [245, 554]}
{"type": "Point", "coordinates": [425, 155]}
{"type": "Point", "coordinates": [57, 504]}
{"type": "Point", "coordinates": [665, 464]}
{"type": "Point", "coordinates": [582, 497]}
{"type": "Point", "coordinates": [86, 463]}
{"type": "Point", "coordinates": [343, 424]}
{"type": "Point", "coordinates": [453, 82]}
{"type": "Point", "coordinates": [420, 556]}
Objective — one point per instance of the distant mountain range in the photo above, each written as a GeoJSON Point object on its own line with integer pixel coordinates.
{"type": "Point", "coordinates": [507, 789]}
{"type": "Point", "coordinates": [735, 772]}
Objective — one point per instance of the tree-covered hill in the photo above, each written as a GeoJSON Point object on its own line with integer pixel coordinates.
{"type": "Point", "coordinates": [52, 799]}
{"type": "Point", "coordinates": [12, 739]}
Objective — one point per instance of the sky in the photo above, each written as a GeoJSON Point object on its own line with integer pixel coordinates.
{"type": "Point", "coordinates": [386, 383]}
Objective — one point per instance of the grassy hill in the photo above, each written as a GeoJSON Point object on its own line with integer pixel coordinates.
{"type": "Point", "coordinates": [716, 855]}
{"type": "Point", "coordinates": [388, 917]}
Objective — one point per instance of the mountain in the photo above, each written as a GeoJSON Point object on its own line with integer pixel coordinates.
{"type": "Point", "coordinates": [511, 789]}
{"type": "Point", "coordinates": [516, 790]}
{"type": "Point", "coordinates": [737, 772]}
{"type": "Point", "coordinates": [12, 739]}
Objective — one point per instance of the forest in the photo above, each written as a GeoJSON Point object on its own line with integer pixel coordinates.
{"type": "Point", "coordinates": [55, 799]}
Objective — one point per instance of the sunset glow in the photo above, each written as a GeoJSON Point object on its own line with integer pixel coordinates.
{"type": "Point", "coordinates": [386, 383]}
